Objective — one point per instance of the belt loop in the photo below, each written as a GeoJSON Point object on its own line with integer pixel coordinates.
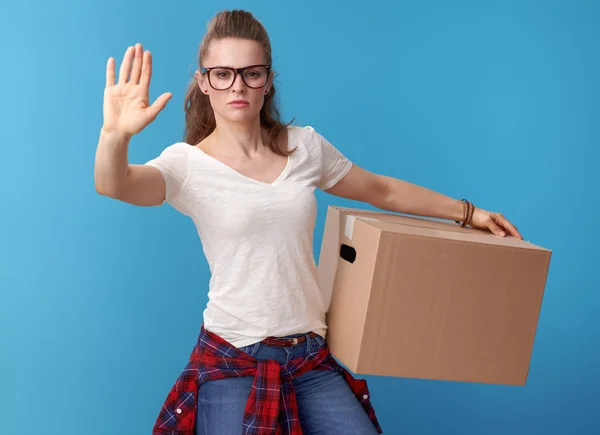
{"type": "Point", "coordinates": [308, 343]}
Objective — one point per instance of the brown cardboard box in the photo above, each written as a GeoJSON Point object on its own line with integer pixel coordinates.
{"type": "Point", "coordinates": [423, 298]}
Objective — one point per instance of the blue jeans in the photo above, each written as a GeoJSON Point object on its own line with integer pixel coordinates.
{"type": "Point", "coordinates": [326, 404]}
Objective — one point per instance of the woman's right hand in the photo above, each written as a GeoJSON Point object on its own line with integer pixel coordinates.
{"type": "Point", "coordinates": [126, 106]}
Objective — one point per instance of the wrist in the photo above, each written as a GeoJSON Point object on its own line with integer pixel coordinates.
{"type": "Point", "coordinates": [458, 210]}
{"type": "Point", "coordinates": [467, 214]}
{"type": "Point", "coordinates": [118, 135]}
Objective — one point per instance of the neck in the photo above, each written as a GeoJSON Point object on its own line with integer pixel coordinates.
{"type": "Point", "coordinates": [236, 138]}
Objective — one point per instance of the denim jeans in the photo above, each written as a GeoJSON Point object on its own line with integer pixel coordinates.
{"type": "Point", "coordinates": [326, 405]}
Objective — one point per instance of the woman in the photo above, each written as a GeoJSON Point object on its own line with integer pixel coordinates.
{"type": "Point", "coordinates": [261, 364]}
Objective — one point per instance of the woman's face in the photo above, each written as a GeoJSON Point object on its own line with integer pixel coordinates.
{"type": "Point", "coordinates": [235, 53]}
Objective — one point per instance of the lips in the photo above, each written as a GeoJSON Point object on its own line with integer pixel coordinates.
{"type": "Point", "coordinates": [239, 102]}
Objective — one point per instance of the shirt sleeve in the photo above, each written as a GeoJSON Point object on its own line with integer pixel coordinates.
{"type": "Point", "coordinates": [173, 165]}
{"type": "Point", "coordinates": [334, 165]}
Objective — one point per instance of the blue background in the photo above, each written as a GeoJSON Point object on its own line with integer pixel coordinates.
{"type": "Point", "coordinates": [101, 301]}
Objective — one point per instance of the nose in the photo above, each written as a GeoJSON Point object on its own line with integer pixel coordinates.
{"type": "Point", "coordinates": [238, 83]}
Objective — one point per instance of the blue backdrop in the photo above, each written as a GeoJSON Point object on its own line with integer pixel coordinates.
{"type": "Point", "coordinates": [495, 101]}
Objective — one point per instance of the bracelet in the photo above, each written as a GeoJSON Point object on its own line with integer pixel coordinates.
{"type": "Point", "coordinates": [465, 211]}
{"type": "Point", "coordinates": [469, 209]}
{"type": "Point", "coordinates": [470, 216]}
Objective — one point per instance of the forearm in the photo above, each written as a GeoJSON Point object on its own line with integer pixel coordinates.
{"type": "Point", "coordinates": [111, 165]}
{"type": "Point", "coordinates": [404, 197]}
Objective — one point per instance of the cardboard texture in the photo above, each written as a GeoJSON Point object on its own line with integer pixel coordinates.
{"type": "Point", "coordinates": [423, 298]}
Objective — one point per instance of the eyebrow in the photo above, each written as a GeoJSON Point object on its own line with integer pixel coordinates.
{"type": "Point", "coordinates": [233, 67]}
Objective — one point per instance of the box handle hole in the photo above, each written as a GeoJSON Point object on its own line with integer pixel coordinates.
{"type": "Point", "coordinates": [348, 253]}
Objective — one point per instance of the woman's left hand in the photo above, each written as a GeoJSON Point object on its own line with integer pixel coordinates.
{"type": "Point", "coordinates": [494, 222]}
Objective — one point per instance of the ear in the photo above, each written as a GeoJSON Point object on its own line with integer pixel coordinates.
{"type": "Point", "coordinates": [269, 82]}
{"type": "Point", "coordinates": [201, 81]}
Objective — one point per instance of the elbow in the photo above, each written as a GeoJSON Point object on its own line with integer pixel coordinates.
{"type": "Point", "coordinates": [104, 192]}
{"type": "Point", "coordinates": [101, 190]}
{"type": "Point", "coordinates": [107, 190]}
{"type": "Point", "coordinates": [381, 193]}
{"type": "Point", "coordinates": [106, 185]}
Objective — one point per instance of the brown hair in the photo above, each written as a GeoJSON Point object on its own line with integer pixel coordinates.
{"type": "Point", "coordinates": [199, 115]}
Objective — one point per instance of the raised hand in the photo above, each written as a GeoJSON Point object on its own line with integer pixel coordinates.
{"type": "Point", "coordinates": [126, 106]}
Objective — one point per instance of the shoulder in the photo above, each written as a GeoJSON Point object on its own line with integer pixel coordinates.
{"type": "Point", "coordinates": [178, 148]}
{"type": "Point", "coordinates": [174, 155]}
{"type": "Point", "coordinates": [305, 137]}
{"type": "Point", "coordinates": [303, 132]}
{"type": "Point", "coordinates": [179, 151]}
{"type": "Point", "coordinates": [311, 140]}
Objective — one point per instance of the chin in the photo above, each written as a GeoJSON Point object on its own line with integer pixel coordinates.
{"type": "Point", "coordinates": [237, 115]}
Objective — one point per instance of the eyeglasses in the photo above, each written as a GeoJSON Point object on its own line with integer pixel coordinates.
{"type": "Point", "coordinates": [221, 78]}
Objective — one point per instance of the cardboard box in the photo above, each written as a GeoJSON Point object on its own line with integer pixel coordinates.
{"type": "Point", "coordinates": [424, 298]}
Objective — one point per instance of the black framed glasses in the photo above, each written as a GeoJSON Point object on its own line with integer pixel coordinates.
{"type": "Point", "coordinates": [221, 78]}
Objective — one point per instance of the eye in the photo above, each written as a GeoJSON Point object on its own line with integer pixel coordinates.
{"type": "Point", "coordinates": [222, 73]}
{"type": "Point", "coordinates": [254, 73]}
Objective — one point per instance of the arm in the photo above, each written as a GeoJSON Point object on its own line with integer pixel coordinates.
{"type": "Point", "coordinates": [395, 195]}
{"type": "Point", "coordinates": [116, 178]}
{"type": "Point", "coordinates": [127, 112]}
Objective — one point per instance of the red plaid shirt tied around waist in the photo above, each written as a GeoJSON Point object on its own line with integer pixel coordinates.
{"type": "Point", "coordinates": [271, 407]}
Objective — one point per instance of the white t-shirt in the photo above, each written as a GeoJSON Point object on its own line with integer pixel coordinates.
{"type": "Point", "coordinates": [257, 237]}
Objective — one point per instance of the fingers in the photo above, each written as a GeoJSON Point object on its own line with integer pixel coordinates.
{"type": "Point", "coordinates": [125, 66]}
{"type": "Point", "coordinates": [138, 73]}
{"type": "Point", "coordinates": [495, 229]}
{"type": "Point", "coordinates": [146, 69]}
{"type": "Point", "coordinates": [512, 230]}
{"type": "Point", "coordinates": [138, 51]}
{"type": "Point", "coordinates": [110, 72]}
{"type": "Point", "coordinates": [496, 223]}
{"type": "Point", "coordinates": [159, 104]}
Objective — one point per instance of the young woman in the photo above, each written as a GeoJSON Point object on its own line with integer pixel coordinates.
{"type": "Point", "coordinates": [247, 180]}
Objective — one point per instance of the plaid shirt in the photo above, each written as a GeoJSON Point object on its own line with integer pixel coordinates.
{"type": "Point", "coordinates": [271, 407]}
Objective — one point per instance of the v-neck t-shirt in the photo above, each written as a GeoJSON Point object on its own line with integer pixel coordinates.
{"type": "Point", "coordinates": [257, 237]}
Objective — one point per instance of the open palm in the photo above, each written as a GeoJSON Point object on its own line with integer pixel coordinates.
{"type": "Point", "coordinates": [127, 109]}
